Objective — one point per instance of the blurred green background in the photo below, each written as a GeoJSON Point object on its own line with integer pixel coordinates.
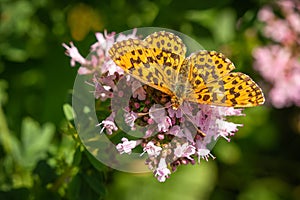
{"type": "Point", "coordinates": [40, 154]}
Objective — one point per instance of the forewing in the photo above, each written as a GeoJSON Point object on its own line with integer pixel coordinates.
{"type": "Point", "coordinates": [167, 41]}
{"type": "Point", "coordinates": [151, 66]}
{"type": "Point", "coordinates": [121, 48]}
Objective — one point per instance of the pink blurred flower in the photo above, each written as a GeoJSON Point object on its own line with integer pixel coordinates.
{"type": "Point", "coordinates": [294, 21]}
{"type": "Point", "coordinates": [266, 14]}
{"type": "Point", "coordinates": [286, 92]}
{"type": "Point", "coordinates": [280, 31]}
{"type": "Point", "coordinates": [271, 61]}
{"type": "Point", "coordinates": [278, 62]}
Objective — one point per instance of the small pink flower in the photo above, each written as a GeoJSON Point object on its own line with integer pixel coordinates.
{"type": "Point", "coordinates": [158, 114]}
{"type": "Point", "coordinates": [150, 121]}
{"type": "Point", "coordinates": [122, 37]}
{"type": "Point", "coordinates": [102, 92]}
{"type": "Point", "coordinates": [226, 128]}
{"type": "Point", "coordinates": [204, 154]}
{"type": "Point", "coordinates": [230, 111]}
{"type": "Point", "coordinates": [162, 172]}
{"type": "Point", "coordinates": [73, 52]}
{"type": "Point", "coordinates": [152, 150]}
{"type": "Point", "coordinates": [106, 80]}
{"type": "Point", "coordinates": [103, 44]}
{"type": "Point", "coordinates": [184, 150]}
{"type": "Point", "coordinates": [92, 66]}
{"type": "Point", "coordinates": [105, 41]}
{"type": "Point", "coordinates": [130, 117]}
{"type": "Point", "coordinates": [164, 124]}
{"type": "Point", "coordinates": [126, 146]}
{"type": "Point", "coordinates": [103, 87]}
{"type": "Point", "coordinates": [108, 124]}
{"type": "Point", "coordinates": [206, 116]}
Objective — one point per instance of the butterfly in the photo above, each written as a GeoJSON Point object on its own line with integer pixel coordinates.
{"type": "Point", "coordinates": [204, 77]}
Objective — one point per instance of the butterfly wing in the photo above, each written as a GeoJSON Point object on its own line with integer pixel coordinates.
{"type": "Point", "coordinates": [241, 91]}
{"type": "Point", "coordinates": [174, 55]}
{"type": "Point", "coordinates": [148, 65]}
{"type": "Point", "coordinates": [121, 48]}
{"type": "Point", "coordinates": [167, 41]}
{"type": "Point", "coordinates": [213, 82]}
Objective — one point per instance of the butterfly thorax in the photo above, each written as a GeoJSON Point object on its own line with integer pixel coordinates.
{"type": "Point", "coordinates": [176, 102]}
{"type": "Point", "coordinates": [181, 86]}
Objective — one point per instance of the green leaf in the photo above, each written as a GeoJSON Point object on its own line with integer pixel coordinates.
{"type": "Point", "coordinates": [69, 112]}
{"type": "Point", "coordinates": [35, 141]}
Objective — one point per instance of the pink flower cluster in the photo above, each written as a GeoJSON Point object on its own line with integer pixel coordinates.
{"type": "Point", "coordinates": [99, 61]}
{"type": "Point", "coordinates": [170, 138]}
{"type": "Point", "coordinates": [279, 61]}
